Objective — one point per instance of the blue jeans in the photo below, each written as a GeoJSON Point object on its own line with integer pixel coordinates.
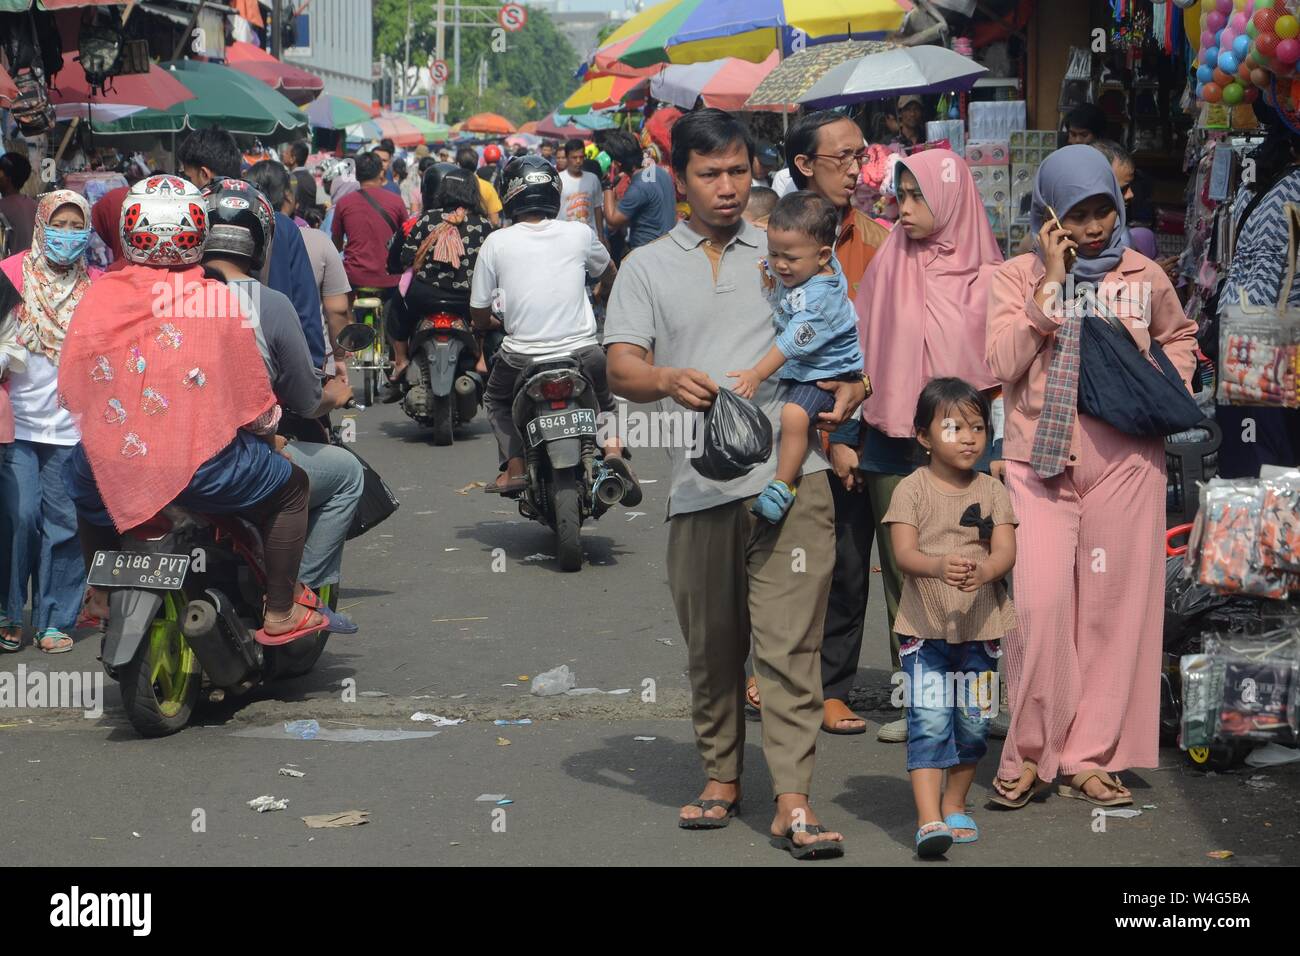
{"type": "Point", "coordinates": [337, 479]}
{"type": "Point", "coordinates": [952, 694]}
{"type": "Point", "coordinates": [38, 537]}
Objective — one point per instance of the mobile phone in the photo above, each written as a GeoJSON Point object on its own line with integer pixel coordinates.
{"type": "Point", "coordinates": [1070, 254]}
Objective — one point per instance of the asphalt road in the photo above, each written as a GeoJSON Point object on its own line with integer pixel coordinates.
{"type": "Point", "coordinates": [445, 633]}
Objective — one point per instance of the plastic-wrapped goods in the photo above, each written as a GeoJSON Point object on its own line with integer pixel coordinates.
{"type": "Point", "coordinates": [1242, 688]}
{"type": "Point", "coordinates": [1227, 542]}
{"type": "Point", "coordinates": [1256, 369]}
{"type": "Point", "coordinates": [1278, 543]}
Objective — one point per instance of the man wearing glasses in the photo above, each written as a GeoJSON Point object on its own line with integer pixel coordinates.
{"type": "Point", "coordinates": [826, 150]}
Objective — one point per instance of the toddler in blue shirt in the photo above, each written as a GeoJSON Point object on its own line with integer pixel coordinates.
{"type": "Point", "coordinates": [816, 333]}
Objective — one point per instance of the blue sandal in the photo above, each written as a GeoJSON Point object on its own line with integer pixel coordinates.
{"type": "Point", "coordinates": [961, 821]}
{"type": "Point", "coordinates": [774, 501]}
{"type": "Point", "coordinates": [11, 636]}
{"type": "Point", "coordinates": [933, 839]}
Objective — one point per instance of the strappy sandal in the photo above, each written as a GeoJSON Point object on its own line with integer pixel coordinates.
{"type": "Point", "coordinates": [1074, 789]}
{"type": "Point", "coordinates": [62, 643]}
{"type": "Point", "coordinates": [1034, 789]}
{"type": "Point", "coordinates": [702, 822]}
{"type": "Point", "coordinates": [751, 693]}
{"type": "Point", "coordinates": [819, 850]}
{"type": "Point", "coordinates": [11, 638]}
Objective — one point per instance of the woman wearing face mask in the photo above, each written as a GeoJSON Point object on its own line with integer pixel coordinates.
{"type": "Point", "coordinates": [1083, 666]}
{"type": "Point", "coordinates": [38, 523]}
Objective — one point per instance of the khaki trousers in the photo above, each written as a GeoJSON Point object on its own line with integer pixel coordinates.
{"type": "Point", "coordinates": [733, 575]}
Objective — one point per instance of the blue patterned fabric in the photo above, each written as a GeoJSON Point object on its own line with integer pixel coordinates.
{"type": "Point", "coordinates": [1260, 260]}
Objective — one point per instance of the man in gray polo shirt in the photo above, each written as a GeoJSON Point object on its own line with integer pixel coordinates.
{"type": "Point", "coordinates": [686, 311]}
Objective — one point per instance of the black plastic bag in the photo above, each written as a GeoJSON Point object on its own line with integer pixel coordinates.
{"type": "Point", "coordinates": [737, 436]}
{"type": "Point", "coordinates": [377, 502]}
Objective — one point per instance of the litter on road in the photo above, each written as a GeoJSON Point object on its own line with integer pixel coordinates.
{"type": "Point", "coordinates": [1272, 755]}
{"type": "Point", "coordinates": [357, 735]}
{"type": "Point", "coordinates": [436, 720]}
{"type": "Point", "coordinates": [555, 681]}
{"type": "Point", "coordinates": [470, 487]}
{"type": "Point", "coordinates": [503, 742]}
{"type": "Point", "coordinates": [286, 772]}
{"type": "Point", "coordinates": [645, 738]}
{"type": "Point", "coordinates": [267, 803]}
{"type": "Point", "coordinates": [344, 818]}
{"type": "Point", "coordinates": [514, 723]}
{"type": "Point", "coordinates": [489, 797]}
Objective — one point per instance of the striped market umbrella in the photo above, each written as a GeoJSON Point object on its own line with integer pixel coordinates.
{"type": "Point", "coordinates": [297, 85]}
{"type": "Point", "coordinates": [724, 84]}
{"type": "Point", "coordinates": [331, 111]}
{"type": "Point", "coordinates": [392, 126]}
{"type": "Point", "coordinates": [795, 75]}
{"type": "Point", "coordinates": [433, 132]}
{"type": "Point", "coordinates": [600, 91]}
{"type": "Point", "coordinates": [558, 127]}
{"type": "Point", "coordinates": [691, 31]}
{"type": "Point", "coordinates": [594, 121]}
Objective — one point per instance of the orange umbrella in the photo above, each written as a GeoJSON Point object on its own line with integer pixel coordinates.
{"type": "Point", "coordinates": [530, 127]}
{"type": "Point", "coordinates": [488, 123]}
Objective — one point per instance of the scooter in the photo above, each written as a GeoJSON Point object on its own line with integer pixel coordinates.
{"type": "Point", "coordinates": [185, 596]}
{"type": "Point", "coordinates": [568, 480]}
{"type": "Point", "coordinates": [443, 390]}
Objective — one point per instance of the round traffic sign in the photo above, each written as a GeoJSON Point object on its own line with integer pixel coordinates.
{"type": "Point", "coordinates": [513, 16]}
{"type": "Point", "coordinates": [438, 72]}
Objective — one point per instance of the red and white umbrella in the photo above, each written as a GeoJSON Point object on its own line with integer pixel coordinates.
{"type": "Point", "coordinates": [724, 84]}
{"type": "Point", "coordinates": [156, 90]}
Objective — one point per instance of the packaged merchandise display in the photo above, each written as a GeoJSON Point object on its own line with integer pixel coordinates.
{"type": "Point", "coordinates": [1242, 688]}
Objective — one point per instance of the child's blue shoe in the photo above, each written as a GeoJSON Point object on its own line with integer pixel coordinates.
{"type": "Point", "coordinates": [933, 840]}
{"type": "Point", "coordinates": [774, 501]}
{"type": "Point", "coordinates": [962, 821]}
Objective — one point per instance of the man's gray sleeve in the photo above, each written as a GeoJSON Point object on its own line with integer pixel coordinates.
{"type": "Point", "coordinates": [630, 315]}
{"type": "Point", "coordinates": [297, 387]}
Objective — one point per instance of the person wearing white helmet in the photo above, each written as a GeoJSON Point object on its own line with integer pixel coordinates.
{"type": "Point", "coordinates": [161, 369]}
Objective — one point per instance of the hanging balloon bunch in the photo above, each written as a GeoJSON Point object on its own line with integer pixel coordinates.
{"type": "Point", "coordinates": [1245, 46]}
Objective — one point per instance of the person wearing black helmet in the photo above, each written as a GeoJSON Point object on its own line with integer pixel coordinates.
{"type": "Point", "coordinates": [241, 223]}
{"type": "Point", "coordinates": [533, 274]}
{"type": "Point", "coordinates": [440, 246]}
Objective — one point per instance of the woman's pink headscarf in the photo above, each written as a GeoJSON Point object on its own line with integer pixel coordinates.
{"type": "Point", "coordinates": [921, 306]}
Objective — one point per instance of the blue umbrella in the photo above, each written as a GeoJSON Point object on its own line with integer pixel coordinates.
{"type": "Point", "coordinates": [593, 121]}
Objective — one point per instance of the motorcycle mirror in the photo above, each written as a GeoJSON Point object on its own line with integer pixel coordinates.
{"type": "Point", "coordinates": [356, 337]}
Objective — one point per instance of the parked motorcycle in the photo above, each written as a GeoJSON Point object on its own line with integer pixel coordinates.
{"type": "Point", "coordinates": [568, 481]}
{"type": "Point", "coordinates": [443, 390]}
{"type": "Point", "coordinates": [185, 596]}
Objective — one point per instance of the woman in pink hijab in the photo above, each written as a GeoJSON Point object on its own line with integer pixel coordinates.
{"type": "Point", "coordinates": [921, 315]}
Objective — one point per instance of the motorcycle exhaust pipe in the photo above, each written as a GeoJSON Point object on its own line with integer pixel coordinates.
{"type": "Point", "coordinates": [609, 489]}
{"type": "Point", "coordinates": [220, 640]}
{"type": "Point", "coordinates": [467, 385]}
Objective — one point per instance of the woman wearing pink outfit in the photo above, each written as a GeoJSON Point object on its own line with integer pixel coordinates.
{"type": "Point", "coordinates": [1083, 666]}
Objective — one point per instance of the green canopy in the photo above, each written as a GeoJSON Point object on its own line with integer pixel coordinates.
{"type": "Point", "coordinates": [433, 132]}
{"type": "Point", "coordinates": [222, 97]}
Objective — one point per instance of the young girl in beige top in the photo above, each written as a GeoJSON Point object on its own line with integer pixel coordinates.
{"type": "Point", "coordinates": [953, 532]}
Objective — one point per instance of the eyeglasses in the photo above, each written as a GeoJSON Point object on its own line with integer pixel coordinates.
{"type": "Point", "coordinates": [845, 159]}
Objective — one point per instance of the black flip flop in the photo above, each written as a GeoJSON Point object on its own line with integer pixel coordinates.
{"type": "Point", "coordinates": [821, 850]}
{"type": "Point", "coordinates": [710, 823]}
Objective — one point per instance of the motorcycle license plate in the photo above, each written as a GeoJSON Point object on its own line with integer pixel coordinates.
{"type": "Point", "coordinates": [129, 569]}
{"type": "Point", "coordinates": [570, 423]}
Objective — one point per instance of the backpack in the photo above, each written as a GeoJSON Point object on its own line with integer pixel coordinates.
{"type": "Point", "coordinates": [99, 51]}
{"type": "Point", "coordinates": [32, 110]}
{"type": "Point", "coordinates": [31, 41]}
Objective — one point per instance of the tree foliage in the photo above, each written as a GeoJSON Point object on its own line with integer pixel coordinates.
{"type": "Point", "coordinates": [537, 64]}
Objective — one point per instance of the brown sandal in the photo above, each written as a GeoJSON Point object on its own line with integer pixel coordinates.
{"type": "Point", "coordinates": [751, 693]}
{"type": "Point", "coordinates": [1074, 789]}
{"type": "Point", "coordinates": [1015, 803]}
{"type": "Point", "coordinates": [836, 710]}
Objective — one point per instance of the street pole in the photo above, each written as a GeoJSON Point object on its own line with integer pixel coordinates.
{"type": "Point", "coordinates": [406, 60]}
{"type": "Point", "coordinates": [456, 42]}
{"type": "Point", "coordinates": [442, 18]}
{"type": "Point", "coordinates": [277, 34]}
